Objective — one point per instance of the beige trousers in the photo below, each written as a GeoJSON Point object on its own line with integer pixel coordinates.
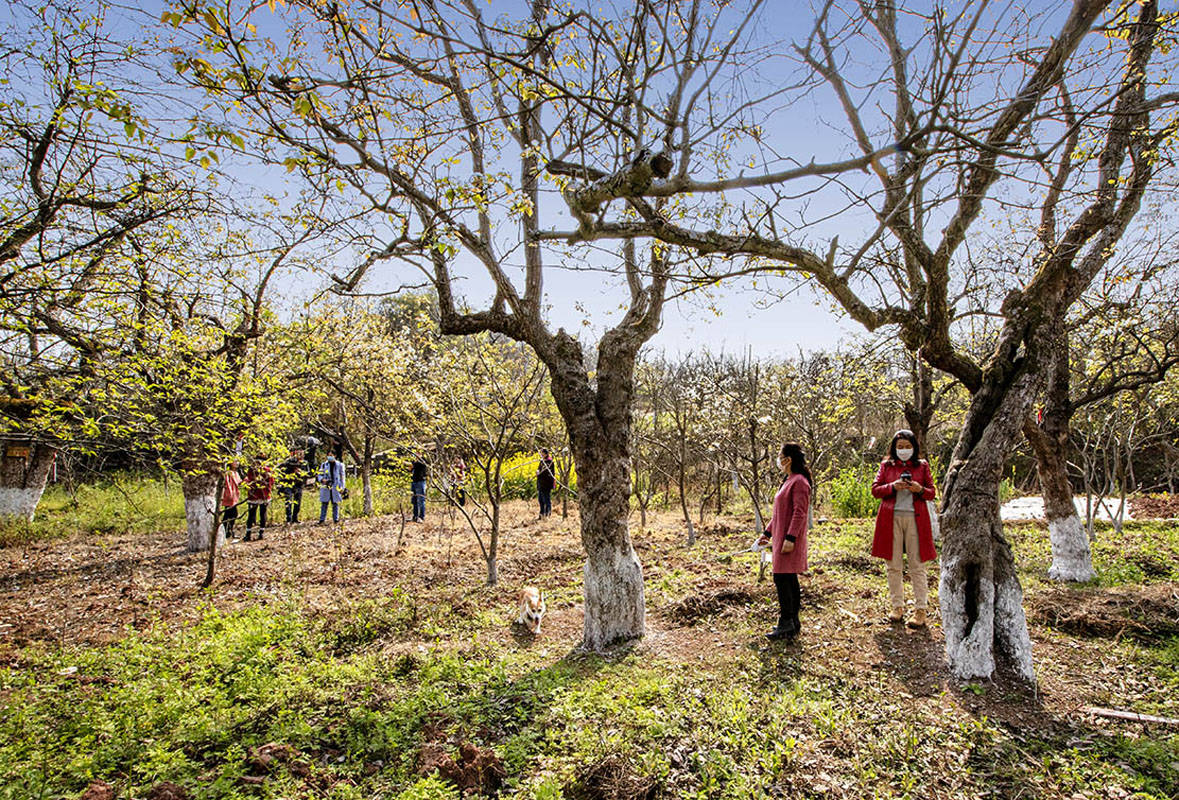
{"type": "Point", "coordinates": [904, 540]}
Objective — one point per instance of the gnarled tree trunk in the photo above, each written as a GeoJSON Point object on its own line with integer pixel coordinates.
{"type": "Point", "coordinates": [598, 419]}
{"type": "Point", "coordinates": [1071, 558]}
{"type": "Point", "coordinates": [980, 595]}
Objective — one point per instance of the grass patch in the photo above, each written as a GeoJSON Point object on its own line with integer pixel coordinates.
{"type": "Point", "coordinates": [116, 504]}
{"type": "Point", "coordinates": [400, 681]}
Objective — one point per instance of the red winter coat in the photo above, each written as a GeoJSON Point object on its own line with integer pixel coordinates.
{"type": "Point", "coordinates": [792, 505]}
{"type": "Point", "coordinates": [882, 487]}
{"type": "Point", "coordinates": [261, 484]}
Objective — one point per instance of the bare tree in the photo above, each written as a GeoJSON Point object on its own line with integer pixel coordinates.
{"type": "Point", "coordinates": [957, 120]}
{"type": "Point", "coordinates": [439, 123]}
{"type": "Point", "coordinates": [490, 405]}
{"type": "Point", "coordinates": [1112, 348]}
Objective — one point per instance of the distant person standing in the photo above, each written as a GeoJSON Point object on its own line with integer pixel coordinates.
{"type": "Point", "coordinates": [417, 485]}
{"type": "Point", "coordinates": [231, 496]}
{"type": "Point", "coordinates": [331, 488]}
{"type": "Point", "coordinates": [312, 447]}
{"type": "Point", "coordinates": [546, 479]}
{"type": "Point", "coordinates": [291, 485]}
{"type": "Point", "coordinates": [260, 481]}
{"type": "Point", "coordinates": [458, 480]}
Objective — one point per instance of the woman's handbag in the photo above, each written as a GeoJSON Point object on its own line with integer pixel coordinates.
{"type": "Point", "coordinates": [935, 525]}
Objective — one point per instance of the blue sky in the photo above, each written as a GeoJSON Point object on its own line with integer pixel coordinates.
{"type": "Point", "coordinates": [734, 318]}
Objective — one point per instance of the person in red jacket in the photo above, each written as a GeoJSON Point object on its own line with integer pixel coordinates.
{"type": "Point", "coordinates": [260, 481]}
{"type": "Point", "coordinates": [905, 484]}
{"type": "Point", "coordinates": [787, 536]}
{"type": "Point", "coordinates": [231, 496]}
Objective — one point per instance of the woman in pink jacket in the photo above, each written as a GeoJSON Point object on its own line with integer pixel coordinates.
{"type": "Point", "coordinates": [787, 536]}
{"type": "Point", "coordinates": [905, 484]}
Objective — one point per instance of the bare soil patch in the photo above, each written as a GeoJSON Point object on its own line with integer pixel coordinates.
{"type": "Point", "coordinates": [1147, 613]}
{"type": "Point", "coordinates": [90, 590]}
{"type": "Point", "coordinates": [1154, 506]}
{"type": "Point", "coordinates": [696, 607]}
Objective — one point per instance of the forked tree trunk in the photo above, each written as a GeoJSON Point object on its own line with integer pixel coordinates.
{"type": "Point", "coordinates": [1071, 558]}
{"type": "Point", "coordinates": [24, 471]}
{"type": "Point", "coordinates": [598, 421]}
{"type": "Point", "coordinates": [200, 506]}
{"type": "Point", "coordinates": [980, 595]}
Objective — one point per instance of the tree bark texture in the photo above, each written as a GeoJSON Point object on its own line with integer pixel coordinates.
{"type": "Point", "coordinates": [24, 471]}
{"type": "Point", "coordinates": [493, 543]}
{"type": "Point", "coordinates": [980, 595]}
{"type": "Point", "coordinates": [200, 506]}
{"type": "Point", "coordinates": [1071, 558]}
{"type": "Point", "coordinates": [366, 475]}
{"type": "Point", "coordinates": [598, 420]}
{"type": "Point", "coordinates": [919, 412]}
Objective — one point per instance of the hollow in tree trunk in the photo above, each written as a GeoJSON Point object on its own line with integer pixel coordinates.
{"type": "Point", "coordinates": [200, 506]}
{"type": "Point", "coordinates": [980, 595]}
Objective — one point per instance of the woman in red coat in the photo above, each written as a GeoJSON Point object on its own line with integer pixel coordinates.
{"type": "Point", "coordinates": [905, 484]}
{"type": "Point", "coordinates": [787, 536]}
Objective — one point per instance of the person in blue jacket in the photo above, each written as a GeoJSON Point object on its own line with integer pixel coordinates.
{"type": "Point", "coordinates": [331, 488]}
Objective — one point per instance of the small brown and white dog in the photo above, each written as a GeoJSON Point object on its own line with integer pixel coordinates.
{"type": "Point", "coordinates": [532, 608]}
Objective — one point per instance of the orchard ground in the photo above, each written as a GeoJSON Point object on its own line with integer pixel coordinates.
{"type": "Point", "coordinates": [329, 662]}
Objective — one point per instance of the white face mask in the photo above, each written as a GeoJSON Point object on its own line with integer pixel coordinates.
{"type": "Point", "coordinates": [904, 453]}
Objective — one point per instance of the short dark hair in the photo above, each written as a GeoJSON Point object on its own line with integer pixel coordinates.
{"type": "Point", "coordinates": [904, 433]}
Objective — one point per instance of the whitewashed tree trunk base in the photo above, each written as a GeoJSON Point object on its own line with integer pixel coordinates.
{"type": "Point", "coordinates": [980, 596]}
{"type": "Point", "coordinates": [615, 610]}
{"type": "Point", "coordinates": [19, 503]}
{"type": "Point", "coordinates": [23, 478]}
{"type": "Point", "coordinates": [200, 502]}
{"type": "Point", "coordinates": [1071, 557]}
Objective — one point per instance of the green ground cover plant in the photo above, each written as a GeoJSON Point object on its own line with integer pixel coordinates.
{"type": "Point", "coordinates": [416, 691]}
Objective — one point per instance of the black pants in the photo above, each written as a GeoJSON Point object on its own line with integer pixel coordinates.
{"type": "Point", "coordinates": [293, 499]}
{"type": "Point", "coordinates": [789, 597]}
{"type": "Point", "coordinates": [546, 500]}
{"type": "Point", "coordinates": [256, 510]}
{"type": "Point", "coordinates": [228, 516]}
